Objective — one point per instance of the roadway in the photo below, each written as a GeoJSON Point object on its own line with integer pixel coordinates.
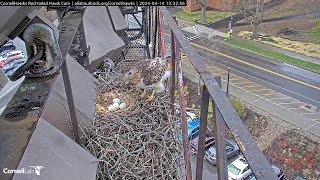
{"type": "Point", "coordinates": [286, 79]}
{"type": "Point", "coordinates": [291, 81]}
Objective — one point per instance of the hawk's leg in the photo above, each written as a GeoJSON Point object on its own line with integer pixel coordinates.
{"type": "Point", "coordinates": [144, 93]}
{"type": "Point", "coordinates": [150, 98]}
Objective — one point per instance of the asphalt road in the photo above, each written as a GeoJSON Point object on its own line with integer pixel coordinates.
{"type": "Point", "coordinates": [294, 82]}
{"type": "Point", "coordinates": [286, 79]}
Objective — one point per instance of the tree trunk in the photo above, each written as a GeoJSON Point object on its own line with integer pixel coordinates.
{"type": "Point", "coordinates": [203, 14]}
{"type": "Point", "coordinates": [255, 26]}
{"type": "Point", "coordinates": [258, 17]}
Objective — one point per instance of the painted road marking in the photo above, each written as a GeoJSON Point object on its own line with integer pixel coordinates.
{"type": "Point", "coordinates": [246, 82]}
{"type": "Point", "coordinates": [252, 86]}
{"type": "Point", "coordinates": [280, 98]}
{"type": "Point", "coordinates": [257, 90]}
{"type": "Point", "coordinates": [295, 108]}
{"type": "Point", "coordinates": [292, 103]}
{"type": "Point", "coordinates": [270, 94]}
{"type": "Point", "coordinates": [309, 113]}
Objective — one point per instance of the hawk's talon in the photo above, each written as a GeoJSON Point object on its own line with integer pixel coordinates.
{"type": "Point", "coordinates": [150, 98]}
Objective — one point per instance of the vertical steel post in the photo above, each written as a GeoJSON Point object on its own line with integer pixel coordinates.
{"type": "Point", "coordinates": [71, 105]}
{"type": "Point", "coordinates": [228, 81]}
{"type": "Point", "coordinates": [174, 51]}
{"type": "Point", "coordinates": [203, 131]}
{"type": "Point", "coordinates": [155, 33]}
{"type": "Point", "coordinates": [183, 118]}
{"type": "Point", "coordinates": [219, 129]}
{"type": "Point", "coordinates": [149, 24]}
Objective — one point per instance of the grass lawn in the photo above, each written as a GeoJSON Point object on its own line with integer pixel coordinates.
{"type": "Point", "coordinates": [278, 56]}
{"type": "Point", "coordinates": [314, 33]}
{"type": "Point", "coordinates": [211, 16]}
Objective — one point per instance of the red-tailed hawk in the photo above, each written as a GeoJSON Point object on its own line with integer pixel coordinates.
{"type": "Point", "coordinates": [149, 74]}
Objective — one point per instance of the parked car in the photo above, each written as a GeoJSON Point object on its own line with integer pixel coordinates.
{"type": "Point", "coordinates": [239, 169]}
{"type": "Point", "coordinates": [231, 147]}
{"type": "Point", "coordinates": [193, 129]}
{"type": "Point", "coordinates": [15, 53]}
{"type": "Point", "coordinates": [209, 141]}
{"type": "Point", "coordinates": [277, 171]}
{"type": "Point", "coordinates": [8, 46]}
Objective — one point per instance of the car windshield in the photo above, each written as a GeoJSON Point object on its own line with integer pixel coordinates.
{"type": "Point", "coordinates": [212, 150]}
{"type": "Point", "coordinates": [233, 169]}
{"type": "Point", "coordinates": [210, 140]}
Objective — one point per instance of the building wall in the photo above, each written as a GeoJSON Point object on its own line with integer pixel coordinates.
{"type": "Point", "coordinates": [193, 5]}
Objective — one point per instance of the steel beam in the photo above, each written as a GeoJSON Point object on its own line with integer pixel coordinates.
{"type": "Point", "coordinates": [203, 132]}
{"type": "Point", "coordinates": [220, 140]}
{"type": "Point", "coordinates": [183, 118]}
{"type": "Point", "coordinates": [257, 161]}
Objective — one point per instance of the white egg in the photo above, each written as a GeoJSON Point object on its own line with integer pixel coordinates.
{"type": "Point", "coordinates": [111, 108]}
{"type": "Point", "coordinates": [123, 105]}
{"type": "Point", "coordinates": [116, 106]}
{"type": "Point", "coordinates": [116, 100]}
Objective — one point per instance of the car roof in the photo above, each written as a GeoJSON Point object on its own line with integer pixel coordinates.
{"type": "Point", "coordinates": [276, 170]}
{"type": "Point", "coordinates": [240, 163]}
{"type": "Point", "coordinates": [193, 124]}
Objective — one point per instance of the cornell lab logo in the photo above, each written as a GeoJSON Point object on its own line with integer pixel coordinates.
{"type": "Point", "coordinates": [31, 170]}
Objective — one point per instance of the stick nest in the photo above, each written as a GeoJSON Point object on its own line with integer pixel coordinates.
{"type": "Point", "coordinates": [139, 142]}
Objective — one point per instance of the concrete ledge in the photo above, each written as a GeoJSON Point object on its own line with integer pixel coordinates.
{"type": "Point", "coordinates": [103, 41]}
{"type": "Point", "coordinates": [59, 157]}
{"type": "Point", "coordinates": [56, 110]}
{"type": "Point", "coordinates": [119, 22]}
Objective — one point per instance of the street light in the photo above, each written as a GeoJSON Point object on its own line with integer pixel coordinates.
{"type": "Point", "coordinates": [228, 81]}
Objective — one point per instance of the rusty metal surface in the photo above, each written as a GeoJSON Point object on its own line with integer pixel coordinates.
{"type": "Point", "coordinates": [50, 148]}
{"type": "Point", "coordinates": [11, 17]}
{"type": "Point", "coordinates": [74, 17]}
{"type": "Point", "coordinates": [257, 161]}
{"type": "Point", "coordinates": [219, 129]}
{"type": "Point", "coordinates": [18, 120]}
{"type": "Point", "coordinates": [174, 51]}
{"type": "Point", "coordinates": [79, 49]}
{"type": "Point", "coordinates": [202, 134]}
{"type": "Point", "coordinates": [183, 118]}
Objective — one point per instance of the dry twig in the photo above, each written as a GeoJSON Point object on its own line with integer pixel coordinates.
{"type": "Point", "coordinates": [140, 142]}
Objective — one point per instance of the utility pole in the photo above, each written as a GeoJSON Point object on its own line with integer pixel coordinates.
{"type": "Point", "coordinates": [228, 81]}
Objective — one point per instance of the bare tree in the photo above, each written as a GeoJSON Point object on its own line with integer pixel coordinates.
{"type": "Point", "coordinates": [203, 4]}
{"type": "Point", "coordinates": [252, 10]}
{"type": "Point", "coordinates": [312, 6]}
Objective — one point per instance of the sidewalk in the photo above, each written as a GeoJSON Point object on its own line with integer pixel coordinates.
{"type": "Point", "coordinates": [200, 29]}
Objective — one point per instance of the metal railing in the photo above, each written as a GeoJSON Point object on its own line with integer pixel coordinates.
{"type": "Point", "coordinates": [224, 113]}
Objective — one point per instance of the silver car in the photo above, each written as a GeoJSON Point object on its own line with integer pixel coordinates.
{"type": "Point", "coordinates": [231, 147]}
{"type": "Point", "coordinates": [276, 171]}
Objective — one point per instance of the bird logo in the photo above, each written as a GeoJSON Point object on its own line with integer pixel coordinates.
{"type": "Point", "coordinates": [37, 169]}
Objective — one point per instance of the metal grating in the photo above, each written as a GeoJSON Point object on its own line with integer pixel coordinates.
{"type": "Point", "coordinates": [136, 45]}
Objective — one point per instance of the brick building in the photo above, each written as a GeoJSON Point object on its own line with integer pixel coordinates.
{"type": "Point", "coordinates": [193, 5]}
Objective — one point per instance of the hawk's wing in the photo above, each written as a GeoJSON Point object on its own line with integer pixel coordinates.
{"type": "Point", "coordinates": [152, 71]}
